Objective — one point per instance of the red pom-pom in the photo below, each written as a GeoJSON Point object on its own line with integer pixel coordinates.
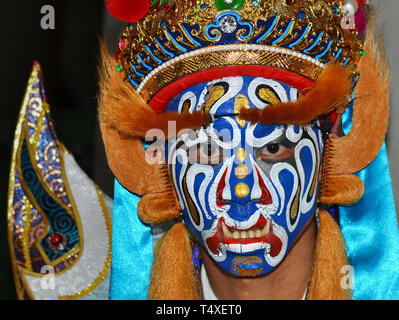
{"type": "Point", "coordinates": [361, 3]}
{"type": "Point", "coordinates": [128, 10]}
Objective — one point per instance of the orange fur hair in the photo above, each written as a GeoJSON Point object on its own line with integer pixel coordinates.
{"type": "Point", "coordinates": [172, 274]}
{"type": "Point", "coordinates": [330, 257]}
{"type": "Point", "coordinates": [118, 105]}
{"type": "Point", "coordinates": [353, 152]}
{"type": "Point", "coordinates": [122, 108]}
{"type": "Point", "coordinates": [331, 89]}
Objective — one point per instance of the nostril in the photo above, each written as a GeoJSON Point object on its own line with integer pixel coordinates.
{"type": "Point", "coordinates": [243, 203]}
{"type": "Point", "coordinates": [266, 197]}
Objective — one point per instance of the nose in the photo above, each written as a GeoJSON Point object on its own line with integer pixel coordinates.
{"type": "Point", "coordinates": [245, 182]}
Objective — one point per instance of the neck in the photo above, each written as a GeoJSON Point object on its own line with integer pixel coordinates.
{"type": "Point", "coordinates": [287, 282]}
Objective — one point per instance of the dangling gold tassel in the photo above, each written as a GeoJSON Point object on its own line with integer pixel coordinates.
{"type": "Point", "coordinates": [172, 275]}
{"type": "Point", "coordinates": [327, 281]}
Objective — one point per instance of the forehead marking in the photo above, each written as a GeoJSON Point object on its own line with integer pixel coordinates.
{"type": "Point", "coordinates": [241, 102]}
{"type": "Point", "coordinates": [215, 93]}
{"type": "Point", "coordinates": [241, 171]}
{"type": "Point", "coordinates": [241, 154]}
{"type": "Point", "coordinates": [241, 190]}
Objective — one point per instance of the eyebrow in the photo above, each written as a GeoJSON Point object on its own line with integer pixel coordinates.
{"type": "Point", "coordinates": [215, 117]}
{"type": "Point", "coordinates": [331, 90]}
{"type": "Point", "coordinates": [125, 110]}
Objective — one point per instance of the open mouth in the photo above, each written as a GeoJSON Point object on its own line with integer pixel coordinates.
{"type": "Point", "coordinates": [259, 236]}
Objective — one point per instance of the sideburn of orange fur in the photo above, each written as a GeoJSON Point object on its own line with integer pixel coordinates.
{"type": "Point", "coordinates": [329, 91]}
{"type": "Point", "coordinates": [354, 151]}
{"type": "Point", "coordinates": [343, 189]}
{"type": "Point", "coordinates": [362, 144]}
{"type": "Point", "coordinates": [327, 280]}
{"type": "Point", "coordinates": [172, 274]}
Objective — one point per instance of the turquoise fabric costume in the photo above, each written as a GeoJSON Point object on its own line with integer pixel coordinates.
{"type": "Point", "coordinates": [131, 249]}
{"type": "Point", "coordinates": [371, 233]}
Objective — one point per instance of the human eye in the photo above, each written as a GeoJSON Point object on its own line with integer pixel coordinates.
{"type": "Point", "coordinates": [274, 152]}
{"type": "Point", "coordinates": [206, 153]}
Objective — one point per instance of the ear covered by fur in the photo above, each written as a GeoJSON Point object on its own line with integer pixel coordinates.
{"type": "Point", "coordinates": [130, 165]}
{"type": "Point", "coordinates": [331, 89]}
{"type": "Point", "coordinates": [361, 145]}
{"type": "Point", "coordinates": [353, 152]}
{"type": "Point", "coordinates": [342, 189]}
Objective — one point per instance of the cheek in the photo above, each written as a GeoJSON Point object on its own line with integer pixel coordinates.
{"type": "Point", "coordinates": [196, 181]}
{"type": "Point", "coordinates": [193, 184]}
{"type": "Point", "coordinates": [308, 165]}
{"type": "Point", "coordinates": [284, 178]}
{"type": "Point", "coordinates": [297, 183]}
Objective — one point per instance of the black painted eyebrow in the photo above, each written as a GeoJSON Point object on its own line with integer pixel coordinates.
{"type": "Point", "coordinates": [218, 116]}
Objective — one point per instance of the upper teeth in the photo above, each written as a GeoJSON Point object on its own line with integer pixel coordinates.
{"type": "Point", "coordinates": [256, 233]}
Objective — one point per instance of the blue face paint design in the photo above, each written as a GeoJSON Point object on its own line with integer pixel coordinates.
{"type": "Point", "coordinates": [246, 191]}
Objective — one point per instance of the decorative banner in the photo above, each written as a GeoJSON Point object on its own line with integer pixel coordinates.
{"type": "Point", "coordinates": [59, 226]}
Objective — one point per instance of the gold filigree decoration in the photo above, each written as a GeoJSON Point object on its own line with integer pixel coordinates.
{"type": "Point", "coordinates": [224, 58]}
{"type": "Point", "coordinates": [311, 27]}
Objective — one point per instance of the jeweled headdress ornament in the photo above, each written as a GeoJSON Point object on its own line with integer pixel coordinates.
{"type": "Point", "coordinates": [175, 41]}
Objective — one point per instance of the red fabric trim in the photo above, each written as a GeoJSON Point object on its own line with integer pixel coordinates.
{"type": "Point", "coordinates": [160, 100]}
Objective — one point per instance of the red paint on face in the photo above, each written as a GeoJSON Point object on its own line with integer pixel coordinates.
{"type": "Point", "coordinates": [219, 191]}
{"type": "Point", "coordinates": [220, 238]}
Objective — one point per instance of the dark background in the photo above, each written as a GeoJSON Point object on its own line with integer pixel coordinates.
{"type": "Point", "coordinates": [68, 56]}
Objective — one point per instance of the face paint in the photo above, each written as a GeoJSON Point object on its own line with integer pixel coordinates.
{"type": "Point", "coordinates": [246, 191]}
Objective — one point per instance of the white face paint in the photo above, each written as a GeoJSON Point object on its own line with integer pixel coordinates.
{"type": "Point", "coordinates": [246, 191]}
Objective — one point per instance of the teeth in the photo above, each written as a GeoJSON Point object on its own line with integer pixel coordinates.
{"type": "Point", "coordinates": [246, 234]}
{"type": "Point", "coordinates": [266, 229]}
{"type": "Point", "coordinates": [226, 231]}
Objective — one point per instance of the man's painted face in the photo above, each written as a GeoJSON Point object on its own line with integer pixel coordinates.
{"type": "Point", "coordinates": [246, 191]}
